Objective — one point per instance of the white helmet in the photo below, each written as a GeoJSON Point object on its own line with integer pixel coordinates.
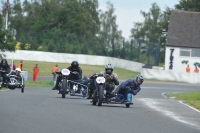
{"type": "Point", "coordinates": [18, 69]}
{"type": "Point", "coordinates": [139, 79]}
{"type": "Point", "coordinates": [109, 67]}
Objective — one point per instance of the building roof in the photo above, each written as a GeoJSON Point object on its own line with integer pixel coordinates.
{"type": "Point", "coordinates": [184, 29]}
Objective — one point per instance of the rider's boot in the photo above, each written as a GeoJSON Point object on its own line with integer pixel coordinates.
{"type": "Point", "coordinates": [55, 88]}
{"type": "Point", "coordinates": [90, 94]}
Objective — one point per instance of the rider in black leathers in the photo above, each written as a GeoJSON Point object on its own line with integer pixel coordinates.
{"type": "Point", "coordinates": [75, 74]}
{"type": "Point", "coordinates": [4, 69]}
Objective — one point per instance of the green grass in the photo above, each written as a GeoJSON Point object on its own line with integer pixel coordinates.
{"type": "Point", "coordinates": [39, 83]}
{"type": "Point", "coordinates": [192, 98]}
{"type": "Point", "coordinates": [35, 84]}
{"type": "Point", "coordinates": [3, 88]}
{"type": "Point", "coordinates": [46, 67]}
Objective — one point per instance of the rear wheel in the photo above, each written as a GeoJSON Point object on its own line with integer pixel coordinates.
{"type": "Point", "coordinates": [100, 95]}
{"type": "Point", "coordinates": [22, 87]}
{"type": "Point", "coordinates": [64, 86]}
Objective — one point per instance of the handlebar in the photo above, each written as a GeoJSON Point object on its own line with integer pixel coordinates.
{"type": "Point", "coordinates": [75, 72]}
{"type": "Point", "coordinates": [58, 72]}
{"type": "Point", "coordinates": [2, 71]}
{"type": "Point", "coordinates": [13, 76]}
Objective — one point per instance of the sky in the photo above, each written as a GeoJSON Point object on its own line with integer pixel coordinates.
{"type": "Point", "coordinates": [128, 11]}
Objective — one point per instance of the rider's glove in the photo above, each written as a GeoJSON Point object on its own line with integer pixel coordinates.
{"type": "Point", "coordinates": [113, 79]}
{"type": "Point", "coordinates": [128, 89]}
{"type": "Point", "coordinates": [75, 72]}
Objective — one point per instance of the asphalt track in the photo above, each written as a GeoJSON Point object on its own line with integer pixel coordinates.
{"type": "Point", "coordinates": [42, 110]}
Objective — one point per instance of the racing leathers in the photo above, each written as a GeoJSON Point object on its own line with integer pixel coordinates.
{"type": "Point", "coordinates": [4, 70]}
{"type": "Point", "coordinates": [130, 86]}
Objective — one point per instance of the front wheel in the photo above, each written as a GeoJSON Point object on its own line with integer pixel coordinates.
{"type": "Point", "coordinates": [100, 95]}
{"type": "Point", "coordinates": [63, 88]}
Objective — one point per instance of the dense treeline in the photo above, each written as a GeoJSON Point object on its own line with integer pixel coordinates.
{"type": "Point", "coordinates": [78, 26]}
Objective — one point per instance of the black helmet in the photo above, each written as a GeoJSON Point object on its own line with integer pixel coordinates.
{"type": "Point", "coordinates": [109, 67]}
{"type": "Point", "coordinates": [74, 64]}
{"type": "Point", "coordinates": [139, 79]}
{"type": "Point", "coordinates": [4, 62]}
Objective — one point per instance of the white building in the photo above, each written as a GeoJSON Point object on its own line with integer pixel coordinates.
{"type": "Point", "coordinates": [184, 38]}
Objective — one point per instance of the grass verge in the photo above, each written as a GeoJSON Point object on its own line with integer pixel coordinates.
{"type": "Point", "coordinates": [36, 84]}
{"type": "Point", "coordinates": [3, 89]}
{"type": "Point", "coordinates": [46, 67]}
{"type": "Point", "coordinates": [39, 83]}
{"type": "Point", "coordinates": [192, 98]}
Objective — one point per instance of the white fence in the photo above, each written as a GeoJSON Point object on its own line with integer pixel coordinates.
{"type": "Point", "coordinates": [164, 75]}
{"type": "Point", "coordinates": [68, 58]}
{"type": "Point", "coordinates": [171, 75]}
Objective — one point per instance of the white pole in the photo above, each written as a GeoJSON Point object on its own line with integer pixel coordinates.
{"type": "Point", "coordinates": [12, 62]}
{"type": "Point", "coordinates": [7, 7]}
{"type": "Point", "coordinates": [6, 20]}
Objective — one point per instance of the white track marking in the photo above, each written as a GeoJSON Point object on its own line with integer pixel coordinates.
{"type": "Point", "coordinates": [189, 106]}
{"type": "Point", "coordinates": [158, 106]}
{"type": "Point", "coordinates": [163, 94]}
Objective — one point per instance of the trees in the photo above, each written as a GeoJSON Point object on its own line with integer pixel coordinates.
{"type": "Point", "coordinates": [109, 34]}
{"type": "Point", "coordinates": [188, 5]}
{"type": "Point", "coordinates": [56, 25]}
{"type": "Point", "coordinates": [148, 34]}
{"type": "Point", "coordinates": [78, 26]}
{"type": "Point", "coordinates": [6, 39]}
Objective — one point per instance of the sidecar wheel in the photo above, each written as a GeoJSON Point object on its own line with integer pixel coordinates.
{"type": "Point", "coordinates": [94, 99]}
{"type": "Point", "coordinates": [22, 89]}
{"type": "Point", "coordinates": [94, 103]}
{"type": "Point", "coordinates": [127, 105]}
{"type": "Point", "coordinates": [63, 95]}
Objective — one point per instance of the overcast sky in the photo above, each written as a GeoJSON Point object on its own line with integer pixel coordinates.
{"type": "Point", "coordinates": [128, 11]}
